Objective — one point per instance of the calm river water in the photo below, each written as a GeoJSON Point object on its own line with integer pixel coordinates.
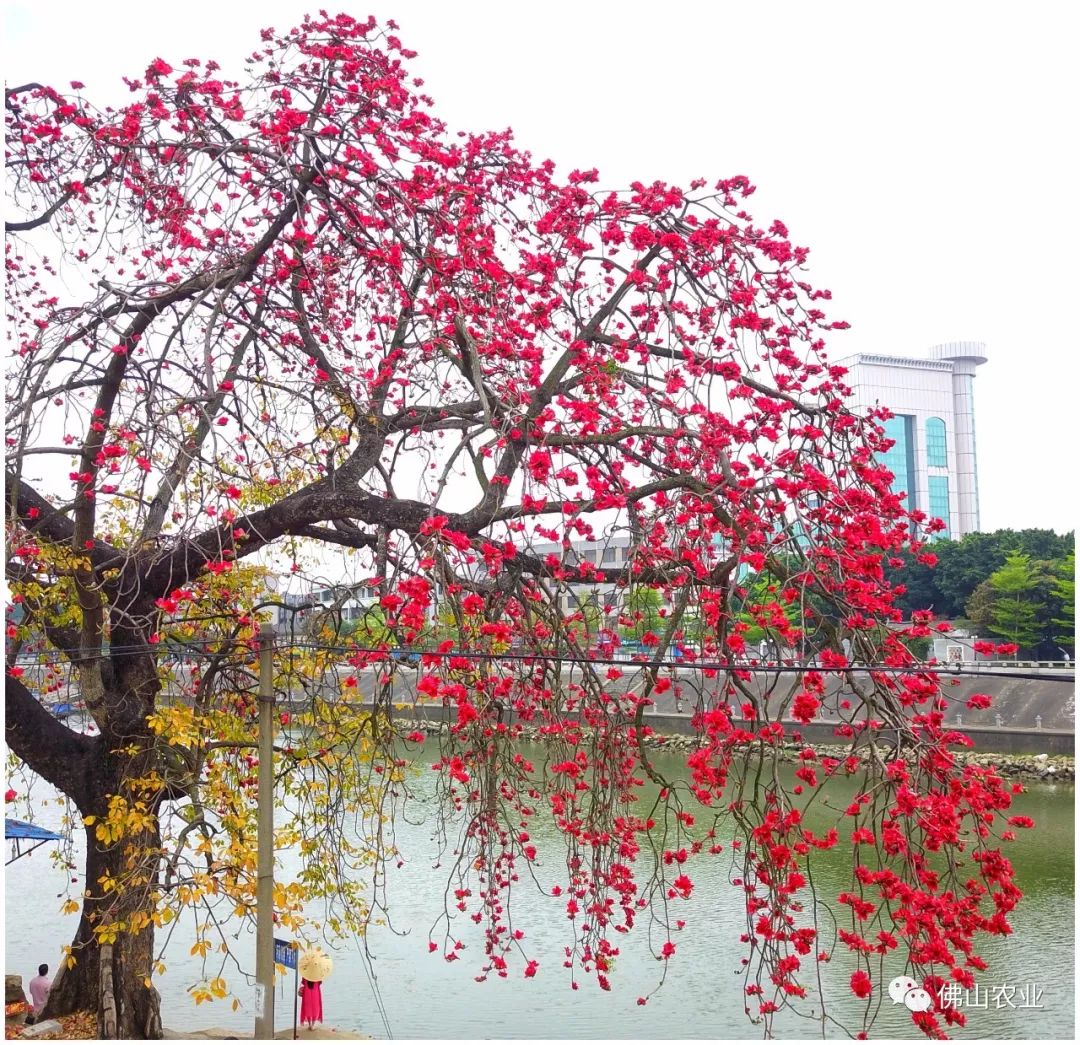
{"type": "Point", "coordinates": [423, 996]}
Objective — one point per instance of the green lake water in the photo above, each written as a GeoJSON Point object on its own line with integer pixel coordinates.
{"type": "Point", "coordinates": [406, 992]}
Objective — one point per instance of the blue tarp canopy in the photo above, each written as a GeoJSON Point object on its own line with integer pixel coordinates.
{"type": "Point", "coordinates": [20, 834]}
{"type": "Point", "coordinates": [20, 829]}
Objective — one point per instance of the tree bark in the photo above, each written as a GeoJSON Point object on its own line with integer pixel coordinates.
{"type": "Point", "coordinates": [111, 978]}
{"type": "Point", "coordinates": [113, 946]}
{"type": "Point", "coordinates": [57, 754]}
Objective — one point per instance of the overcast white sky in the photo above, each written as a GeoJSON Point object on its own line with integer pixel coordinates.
{"type": "Point", "coordinates": [923, 151]}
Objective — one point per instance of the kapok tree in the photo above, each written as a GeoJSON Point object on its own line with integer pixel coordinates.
{"type": "Point", "coordinates": [255, 316]}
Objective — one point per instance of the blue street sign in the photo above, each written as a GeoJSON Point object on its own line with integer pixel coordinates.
{"type": "Point", "coordinates": [285, 953]}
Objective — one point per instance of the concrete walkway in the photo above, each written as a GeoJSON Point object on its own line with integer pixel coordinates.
{"type": "Point", "coordinates": [302, 1034]}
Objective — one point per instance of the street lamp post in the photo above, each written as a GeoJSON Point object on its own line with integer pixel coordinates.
{"type": "Point", "coordinates": [264, 890]}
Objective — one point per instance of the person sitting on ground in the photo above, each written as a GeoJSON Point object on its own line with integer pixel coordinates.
{"type": "Point", "coordinates": [40, 986]}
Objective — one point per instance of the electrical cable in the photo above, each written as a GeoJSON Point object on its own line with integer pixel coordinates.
{"type": "Point", "coordinates": [400, 654]}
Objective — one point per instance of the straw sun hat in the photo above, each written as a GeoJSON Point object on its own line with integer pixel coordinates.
{"type": "Point", "coordinates": [315, 965]}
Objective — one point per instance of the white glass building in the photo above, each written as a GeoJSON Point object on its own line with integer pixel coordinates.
{"type": "Point", "coordinates": [933, 457]}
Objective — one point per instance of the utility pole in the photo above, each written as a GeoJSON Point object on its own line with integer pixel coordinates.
{"type": "Point", "coordinates": [264, 891]}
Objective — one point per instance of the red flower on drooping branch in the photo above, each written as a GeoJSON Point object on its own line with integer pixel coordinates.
{"type": "Point", "coordinates": [860, 984]}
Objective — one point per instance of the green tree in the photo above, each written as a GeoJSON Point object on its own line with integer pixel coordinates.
{"type": "Point", "coordinates": [919, 581]}
{"type": "Point", "coordinates": [591, 616]}
{"type": "Point", "coordinates": [760, 606]}
{"type": "Point", "coordinates": [1015, 608]}
{"type": "Point", "coordinates": [963, 565]}
{"type": "Point", "coordinates": [370, 629]}
{"type": "Point", "coordinates": [1041, 544]}
{"type": "Point", "coordinates": [979, 607]}
{"type": "Point", "coordinates": [1065, 590]}
{"type": "Point", "coordinates": [642, 614]}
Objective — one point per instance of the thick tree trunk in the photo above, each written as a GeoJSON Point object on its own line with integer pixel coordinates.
{"type": "Point", "coordinates": [113, 779]}
{"type": "Point", "coordinates": [111, 978]}
{"type": "Point", "coordinates": [113, 947]}
{"type": "Point", "coordinates": [129, 1009]}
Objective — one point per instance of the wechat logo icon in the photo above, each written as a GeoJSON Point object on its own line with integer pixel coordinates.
{"type": "Point", "coordinates": [905, 989]}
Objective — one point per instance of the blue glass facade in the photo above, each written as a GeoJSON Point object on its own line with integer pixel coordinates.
{"type": "Point", "coordinates": [939, 501]}
{"type": "Point", "coordinates": [937, 454]}
{"type": "Point", "coordinates": [900, 460]}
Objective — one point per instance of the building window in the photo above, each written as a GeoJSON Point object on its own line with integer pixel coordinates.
{"type": "Point", "coordinates": [900, 459]}
{"type": "Point", "coordinates": [609, 555]}
{"type": "Point", "coordinates": [936, 453]}
{"type": "Point", "coordinates": [939, 501]}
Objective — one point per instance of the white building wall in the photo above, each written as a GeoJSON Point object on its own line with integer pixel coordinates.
{"type": "Point", "coordinates": [941, 386]}
{"type": "Point", "coordinates": [964, 357]}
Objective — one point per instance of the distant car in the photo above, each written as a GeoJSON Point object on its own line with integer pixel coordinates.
{"type": "Point", "coordinates": [405, 656]}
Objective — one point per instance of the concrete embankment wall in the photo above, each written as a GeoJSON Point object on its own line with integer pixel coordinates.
{"type": "Point", "coordinates": [1034, 714]}
{"type": "Point", "coordinates": [999, 740]}
{"type": "Point", "coordinates": [1024, 703]}
{"type": "Point", "coordinates": [1045, 701]}
{"type": "Point", "coordinates": [1031, 715]}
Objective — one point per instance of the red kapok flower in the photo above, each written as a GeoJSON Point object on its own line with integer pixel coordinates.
{"type": "Point", "coordinates": [860, 984]}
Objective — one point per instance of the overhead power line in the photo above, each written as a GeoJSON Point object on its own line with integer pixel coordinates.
{"type": "Point", "coordinates": [399, 655]}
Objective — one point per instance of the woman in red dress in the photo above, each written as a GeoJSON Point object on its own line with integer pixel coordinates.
{"type": "Point", "coordinates": [310, 1003]}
